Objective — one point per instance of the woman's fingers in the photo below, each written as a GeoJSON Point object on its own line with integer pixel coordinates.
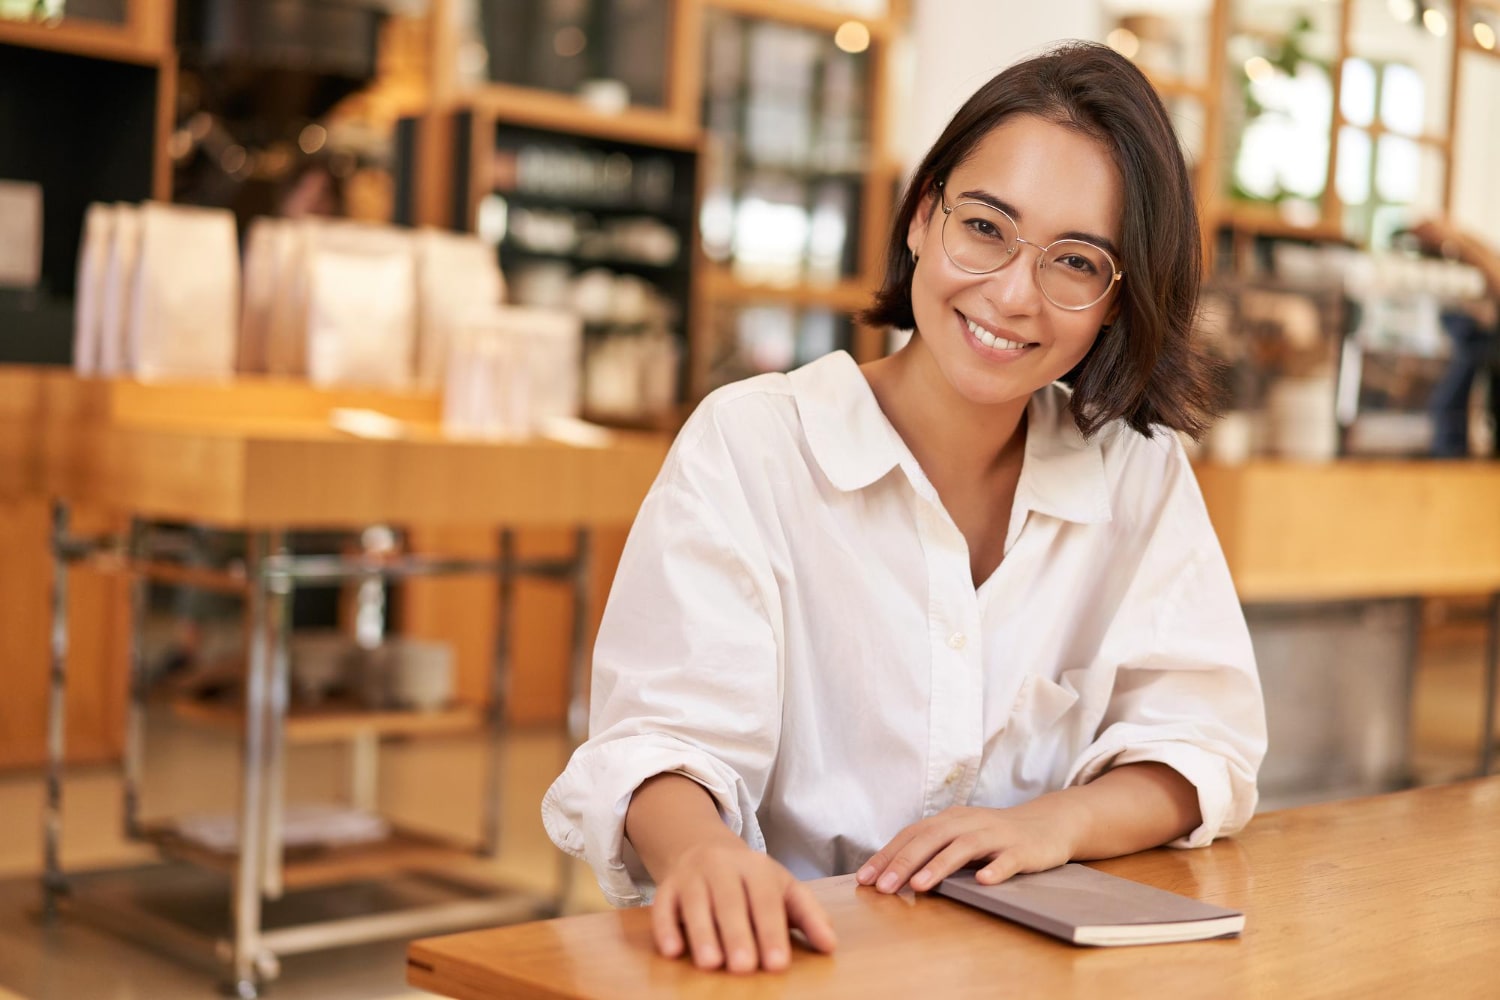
{"type": "Point", "coordinates": [737, 915]}
{"type": "Point", "coordinates": [1006, 864]}
{"type": "Point", "coordinates": [959, 852]}
{"type": "Point", "coordinates": [666, 927]}
{"type": "Point", "coordinates": [807, 914]}
{"type": "Point", "coordinates": [732, 915]}
{"type": "Point", "coordinates": [768, 917]}
{"type": "Point", "coordinates": [870, 872]}
{"type": "Point", "coordinates": [915, 853]}
{"type": "Point", "coordinates": [698, 920]}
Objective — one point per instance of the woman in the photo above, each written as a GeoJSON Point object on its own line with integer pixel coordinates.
{"type": "Point", "coordinates": [938, 609]}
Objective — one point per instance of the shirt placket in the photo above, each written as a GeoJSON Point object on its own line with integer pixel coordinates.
{"type": "Point", "coordinates": [955, 738]}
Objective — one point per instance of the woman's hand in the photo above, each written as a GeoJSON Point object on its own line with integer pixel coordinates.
{"type": "Point", "coordinates": [734, 906]}
{"type": "Point", "coordinates": [1032, 837]}
{"type": "Point", "coordinates": [1129, 808]}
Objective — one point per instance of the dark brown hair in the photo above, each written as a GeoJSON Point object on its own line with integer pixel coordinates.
{"type": "Point", "coordinates": [1144, 367]}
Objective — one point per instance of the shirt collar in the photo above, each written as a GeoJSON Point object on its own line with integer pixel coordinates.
{"type": "Point", "coordinates": [855, 445]}
{"type": "Point", "coordinates": [1063, 474]}
{"type": "Point", "coordinates": [850, 438]}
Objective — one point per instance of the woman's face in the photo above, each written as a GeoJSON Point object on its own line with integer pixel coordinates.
{"type": "Point", "coordinates": [1056, 183]}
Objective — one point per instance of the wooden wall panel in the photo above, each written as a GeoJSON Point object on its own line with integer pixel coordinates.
{"type": "Point", "coordinates": [98, 606]}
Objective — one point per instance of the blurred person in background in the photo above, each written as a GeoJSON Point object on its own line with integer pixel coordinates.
{"type": "Point", "coordinates": [1475, 330]}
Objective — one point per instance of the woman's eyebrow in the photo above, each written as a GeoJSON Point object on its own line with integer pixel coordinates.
{"type": "Point", "coordinates": [1103, 242]}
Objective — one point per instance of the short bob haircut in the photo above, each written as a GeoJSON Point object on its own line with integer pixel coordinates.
{"type": "Point", "coordinates": [1144, 367]}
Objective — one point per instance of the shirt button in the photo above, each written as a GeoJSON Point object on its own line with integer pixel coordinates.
{"type": "Point", "coordinates": [957, 640]}
{"type": "Point", "coordinates": [953, 776]}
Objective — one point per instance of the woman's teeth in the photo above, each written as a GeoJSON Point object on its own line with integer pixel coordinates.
{"type": "Point", "coordinates": [990, 340]}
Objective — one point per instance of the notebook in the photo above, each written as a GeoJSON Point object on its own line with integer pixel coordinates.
{"type": "Point", "coordinates": [1084, 906]}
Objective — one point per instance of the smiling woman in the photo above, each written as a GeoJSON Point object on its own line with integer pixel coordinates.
{"type": "Point", "coordinates": [1143, 367]}
{"type": "Point", "coordinates": [997, 330]}
{"type": "Point", "coordinates": [938, 609]}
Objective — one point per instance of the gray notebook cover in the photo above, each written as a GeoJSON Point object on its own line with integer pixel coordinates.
{"type": "Point", "coordinates": [1084, 906]}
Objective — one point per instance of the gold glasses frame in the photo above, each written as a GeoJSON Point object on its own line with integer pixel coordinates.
{"type": "Point", "coordinates": [1116, 274]}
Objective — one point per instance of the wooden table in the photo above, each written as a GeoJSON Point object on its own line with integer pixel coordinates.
{"type": "Point", "coordinates": [1392, 896]}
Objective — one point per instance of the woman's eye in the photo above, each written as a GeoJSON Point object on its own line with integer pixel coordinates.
{"type": "Point", "coordinates": [1075, 262]}
{"type": "Point", "coordinates": [988, 230]}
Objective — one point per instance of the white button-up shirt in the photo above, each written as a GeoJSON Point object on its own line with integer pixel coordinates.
{"type": "Point", "coordinates": [794, 626]}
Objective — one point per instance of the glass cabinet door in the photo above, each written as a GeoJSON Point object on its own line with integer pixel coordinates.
{"type": "Point", "coordinates": [785, 111]}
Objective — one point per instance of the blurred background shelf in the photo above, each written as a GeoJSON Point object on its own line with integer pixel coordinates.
{"type": "Point", "coordinates": [311, 867]}
{"type": "Point", "coordinates": [335, 722]}
{"type": "Point", "coordinates": [136, 31]}
{"type": "Point", "coordinates": [844, 296]}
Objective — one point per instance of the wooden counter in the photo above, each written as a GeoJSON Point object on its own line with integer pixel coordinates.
{"type": "Point", "coordinates": [1357, 528]}
{"type": "Point", "coordinates": [1393, 896]}
{"type": "Point", "coordinates": [260, 453]}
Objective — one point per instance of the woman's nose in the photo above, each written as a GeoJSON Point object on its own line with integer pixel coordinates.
{"type": "Point", "coordinates": [1016, 288]}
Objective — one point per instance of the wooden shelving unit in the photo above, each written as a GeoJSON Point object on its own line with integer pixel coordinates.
{"type": "Point", "coordinates": [309, 868]}
{"type": "Point", "coordinates": [82, 38]}
{"type": "Point", "coordinates": [678, 124]}
{"type": "Point", "coordinates": [143, 39]}
{"type": "Point", "coordinates": [849, 295]}
{"type": "Point", "coordinates": [559, 112]}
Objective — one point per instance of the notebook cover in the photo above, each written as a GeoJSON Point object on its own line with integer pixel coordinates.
{"type": "Point", "coordinates": [1064, 900]}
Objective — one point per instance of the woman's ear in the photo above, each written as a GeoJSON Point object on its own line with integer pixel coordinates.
{"type": "Point", "coordinates": [1113, 312]}
{"type": "Point", "coordinates": [916, 232]}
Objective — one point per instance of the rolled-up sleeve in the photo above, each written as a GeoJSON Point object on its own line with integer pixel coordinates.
{"type": "Point", "coordinates": [1186, 692]}
{"type": "Point", "coordinates": [686, 676]}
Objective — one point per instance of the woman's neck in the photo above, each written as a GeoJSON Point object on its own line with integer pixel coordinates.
{"type": "Point", "coordinates": [954, 439]}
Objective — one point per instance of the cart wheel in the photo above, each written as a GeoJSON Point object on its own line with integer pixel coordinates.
{"type": "Point", "coordinates": [54, 888]}
{"type": "Point", "coordinates": [240, 989]}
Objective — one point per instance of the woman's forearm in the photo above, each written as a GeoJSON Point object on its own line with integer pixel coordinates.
{"type": "Point", "coordinates": [1127, 809]}
{"type": "Point", "coordinates": [668, 814]}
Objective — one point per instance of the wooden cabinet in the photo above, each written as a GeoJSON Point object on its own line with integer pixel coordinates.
{"type": "Point", "coordinates": [85, 112]}
{"type": "Point", "coordinates": [784, 103]}
{"type": "Point", "coordinates": [797, 194]}
{"type": "Point", "coordinates": [599, 226]}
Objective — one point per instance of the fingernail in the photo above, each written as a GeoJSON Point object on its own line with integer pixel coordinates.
{"type": "Point", "coordinates": [775, 959]}
{"type": "Point", "coordinates": [888, 882]}
{"type": "Point", "coordinates": [920, 880]}
{"type": "Point", "coordinates": [742, 960]}
{"type": "Point", "coordinates": [866, 875]}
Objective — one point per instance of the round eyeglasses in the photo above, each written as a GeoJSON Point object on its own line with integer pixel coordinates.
{"type": "Point", "coordinates": [1073, 274]}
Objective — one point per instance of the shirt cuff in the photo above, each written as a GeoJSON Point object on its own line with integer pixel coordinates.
{"type": "Point", "coordinates": [1226, 801]}
{"type": "Point", "coordinates": [584, 810]}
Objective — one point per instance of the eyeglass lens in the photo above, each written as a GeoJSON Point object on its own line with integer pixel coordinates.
{"type": "Point", "coordinates": [979, 239]}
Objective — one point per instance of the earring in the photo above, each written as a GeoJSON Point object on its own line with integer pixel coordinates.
{"type": "Point", "coordinates": [914, 256]}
